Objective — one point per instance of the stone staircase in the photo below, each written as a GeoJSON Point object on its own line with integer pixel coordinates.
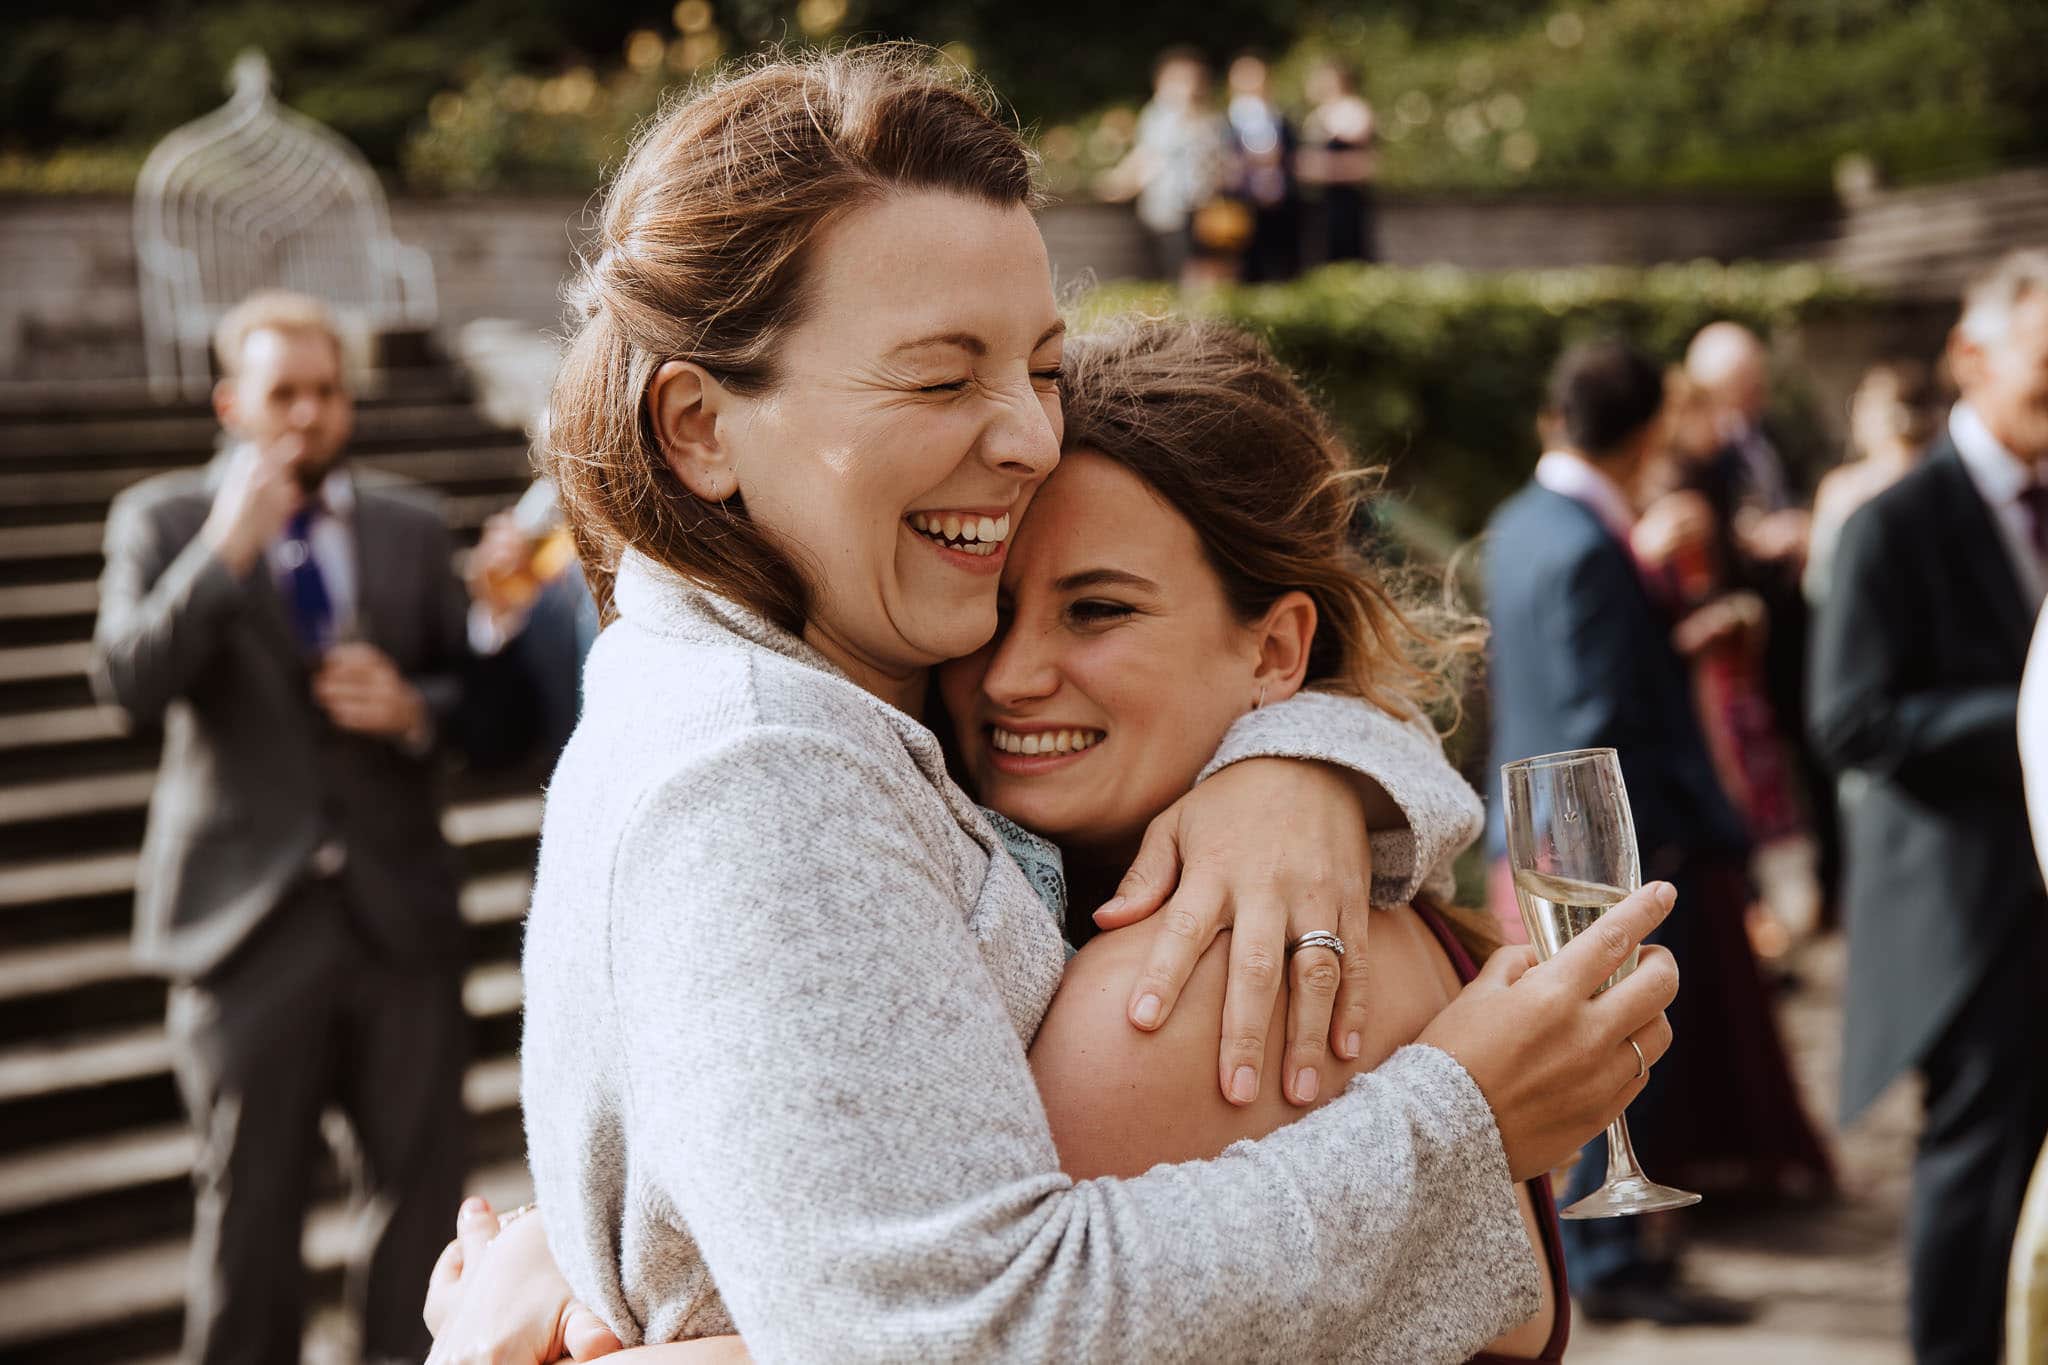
{"type": "Point", "coordinates": [1926, 243]}
{"type": "Point", "coordinates": [95, 1157]}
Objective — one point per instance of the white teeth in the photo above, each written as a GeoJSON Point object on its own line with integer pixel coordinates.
{"type": "Point", "coordinates": [970, 530]}
{"type": "Point", "coordinates": [1044, 742]}
{"type": "Point", "coordinates": [985, 529]}
{"type": "Point", "coordinates": [919, 522]}
{"type": "Point", "coordinates": [974, 535]}
{"type": "Point", "coordinates": [1002, 527]}
{"type": "Point", "coordinates": [951, 526]}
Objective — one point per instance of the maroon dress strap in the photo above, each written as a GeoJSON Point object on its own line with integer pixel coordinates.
{"type": "Point", "coordinates": [1539, 1188]}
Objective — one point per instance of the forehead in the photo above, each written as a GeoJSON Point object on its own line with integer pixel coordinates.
{"type": "Point", "coordinates": [1094, 513]}
{"type": "Point", "coordinates": [298, 355]}
{"type": "Point", "coordinates": [921, 264]}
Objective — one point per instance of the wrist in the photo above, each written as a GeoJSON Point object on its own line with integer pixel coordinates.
{"type": "Point", "coordinates": [233, 549]}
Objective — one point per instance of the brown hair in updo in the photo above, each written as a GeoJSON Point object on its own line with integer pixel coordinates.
{"type": "Point", "coordinates": [1204, 414]}
{"type": "Point", "coordinates": [1224, 433]}
{"type": "Point", "coordinates": [699, 255]}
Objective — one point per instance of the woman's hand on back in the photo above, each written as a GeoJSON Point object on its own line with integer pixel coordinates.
{"type": "Point", "coordinates": [1552, 1057]}
{"type": "Point", "coordinates": [497, 1296]}
{"type": "Point", "coordinates": [1270, 849]}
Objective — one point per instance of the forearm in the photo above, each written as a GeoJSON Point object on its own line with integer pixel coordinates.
{"type": "Point", "coordinates": [152, 638]}
{"type": "Point", "coordinates": [1942, 735]}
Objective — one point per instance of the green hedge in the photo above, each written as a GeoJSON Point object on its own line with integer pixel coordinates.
{"type": "Point", "coordinates": [1438, 373]}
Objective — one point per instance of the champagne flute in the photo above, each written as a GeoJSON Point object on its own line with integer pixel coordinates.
{"type": "Point", "coordinates": [1572, 849]}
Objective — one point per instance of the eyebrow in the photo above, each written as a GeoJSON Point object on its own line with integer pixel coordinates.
{"type": "Point", "coordinates": [968, 341]}
{"type": "Point", "coordinates": [1103, 578]}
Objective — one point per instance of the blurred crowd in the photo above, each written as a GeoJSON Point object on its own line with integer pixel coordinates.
{"type": "Point", "coordinates": [1237, 188]}
{"type": "Point", "coordinates": [1818, 697]}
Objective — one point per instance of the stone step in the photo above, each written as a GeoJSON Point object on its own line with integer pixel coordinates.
{"type": "Point", "coordinates": [32, 882]}
{"type": "Point", "coordinates": [86, 487]}
{"type": "Point", "coordinates": [56, 969]}
{"type": "Point", "coordinates": [101, 399]}
{"type": "Point", "coordinates": [43, 663]}
{"type": "Point", "coordinates": [46, 1307]}
{"type": "Point", "coordinates": [177, 438]}
{"type": "Point", "coordinates": [28, 730]}
{"type": "Point", "coordinates": [45, 1071]}
{"type": "Point", "coordinates": [44, 601]}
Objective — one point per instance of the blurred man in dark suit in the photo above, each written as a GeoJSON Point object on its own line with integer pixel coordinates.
{"type": "Point", "coordinates": [1581, 657]}
{"type": "Point", "coordinates": [1917, 666]}
{"type": "Point", "coordinates": [300, 636]}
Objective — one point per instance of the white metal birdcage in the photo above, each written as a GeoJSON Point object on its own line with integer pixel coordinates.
{"type": "Point", "coordinates": [257, 196]}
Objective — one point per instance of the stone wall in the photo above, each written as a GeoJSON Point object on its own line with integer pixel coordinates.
{"type": "Point", "coordinates": [69, 310]}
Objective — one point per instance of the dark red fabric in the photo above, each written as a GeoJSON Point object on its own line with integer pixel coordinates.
{"type": "Point", "coordinates": [1539, 1188]}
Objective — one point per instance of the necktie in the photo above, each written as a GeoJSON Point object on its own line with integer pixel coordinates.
{"type": "Point", "coordinates": [312, 610]}
{"type": "Point", "coordinates": [2034, 497]}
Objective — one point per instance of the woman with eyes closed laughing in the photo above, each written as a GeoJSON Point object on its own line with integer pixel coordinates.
{"type": "Point", "coordinates": [781, 971]}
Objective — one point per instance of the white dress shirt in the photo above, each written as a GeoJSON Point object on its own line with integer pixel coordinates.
{"type": "Point", "coordinates": [2001, 477]}
{"type": "Point", "coordinates": [1578, 478]}
{"type": "Point", "coordinates": [2034, 736]}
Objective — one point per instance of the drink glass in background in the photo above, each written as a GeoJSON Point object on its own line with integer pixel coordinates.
{"type": "Point", "coordinates": [1572, 849]}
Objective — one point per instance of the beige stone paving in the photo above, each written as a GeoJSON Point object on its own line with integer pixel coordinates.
{"type": "Point", "coordinates": [1829, 1283]}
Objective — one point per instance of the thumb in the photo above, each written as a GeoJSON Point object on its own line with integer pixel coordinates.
{"type": "Point", "coordinates": [586, 1337]}
{"type": "Point", "coordinates": [1153, 875]}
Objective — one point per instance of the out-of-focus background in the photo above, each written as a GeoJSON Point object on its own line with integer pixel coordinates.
{"type": "Point", "coordinates": [1826, 172]}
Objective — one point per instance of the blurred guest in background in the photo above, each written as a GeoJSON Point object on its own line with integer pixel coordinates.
{"type": "Point", "coordinates": [1339, 160]}
{"type": "Point", "coordinates": [300, 635]}
{"type": "Point", "coordinates": [1262, 145]}
{"type": "Point", "coordinates": [1892, 417]}
{"type": "Point", "coordinates": [1918, 660]}
{"type": "Point", "coordinates": [1177, 166]}
{"type": "Point", "coordinates": [1758, 504]}
{"type": "Point", "coordinates": [1582, 658]}
{"type": "Point", "coordinates": [1687, 550]}
{"type": "Point", "coordinates": [530, 599]}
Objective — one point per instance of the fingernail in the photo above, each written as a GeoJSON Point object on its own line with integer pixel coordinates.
{"type": "Point", "coordinates": [1244, 1086]}
{"type": "Point", "coordinates": [1667, 895]}
{"type": "Point", "coordinates": [1111, 906]}
{"type": "Point", "coordinates": [1305, 1082]}
{"type": "Point", "coordinates": [474, 1207]}
{"type": "Point", "coordinates": [1351, 1045]}
{"type": "Point", "coordinates": [1147, 1013]}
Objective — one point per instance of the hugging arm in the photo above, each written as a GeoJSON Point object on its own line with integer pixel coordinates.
{"type": "Point", "coordinates": [1307, 803]}
{"type": "Point", "coordinates": [877, 1212]}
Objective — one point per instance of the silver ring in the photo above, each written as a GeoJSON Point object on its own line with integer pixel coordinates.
{"type": "Point", "coordinates": [1642, 1062]}
{"type": "Point", "coordinates": [1317, 938]}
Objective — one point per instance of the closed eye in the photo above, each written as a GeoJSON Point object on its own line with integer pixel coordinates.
{"type": "Point", "coordinates": [956, 386]}
{"type": "Point", "coordinates": [1095, 611]}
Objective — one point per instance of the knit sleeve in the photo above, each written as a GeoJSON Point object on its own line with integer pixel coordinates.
{"type": "Point", "coordinates": [826, 1094]}
{"type": "Point", "coordinates": [1406, 758]}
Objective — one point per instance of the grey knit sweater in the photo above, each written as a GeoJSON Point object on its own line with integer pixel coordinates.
{"type": "Point", "coordinates": [780, 981]}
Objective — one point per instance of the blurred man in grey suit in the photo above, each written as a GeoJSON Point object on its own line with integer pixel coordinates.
{"type": "Point", "coordinates": [301, 637]}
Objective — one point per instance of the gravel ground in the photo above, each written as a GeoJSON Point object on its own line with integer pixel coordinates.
{"type": "Point", "coordinates": [1828, 1283]}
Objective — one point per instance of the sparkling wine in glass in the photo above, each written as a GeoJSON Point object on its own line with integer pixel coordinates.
{"type": "Point", "coordinates": [1572, 849]}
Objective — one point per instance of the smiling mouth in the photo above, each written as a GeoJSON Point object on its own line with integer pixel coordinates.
{"type": "Point", "coordinates": [967, 533]}
{"type": "Point", "coordinates": [1044, 743]}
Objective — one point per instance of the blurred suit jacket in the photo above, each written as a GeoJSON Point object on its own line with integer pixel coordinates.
{"type": "Point", "coordinates": [253, 776]}
{"type": "Point", "coordinates": [1581, 658]}
{"type": "Point", "coordinates": [1916, 671]}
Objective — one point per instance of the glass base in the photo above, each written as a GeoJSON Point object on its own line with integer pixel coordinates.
{"type": "Point", "coordinates": [1627, 1196]}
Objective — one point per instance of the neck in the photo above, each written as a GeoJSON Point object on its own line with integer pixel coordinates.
{"type": "Point", "coordinates": [903, 689]}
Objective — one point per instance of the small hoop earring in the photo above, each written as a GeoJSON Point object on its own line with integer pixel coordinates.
{"type": "Point", "coordinates": [1262, 698]}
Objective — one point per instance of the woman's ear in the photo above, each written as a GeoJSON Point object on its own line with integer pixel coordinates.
{"type": "Point", "coordinates": [683, 405]}
{"type": "Point", "coordinates": [1284, 637]}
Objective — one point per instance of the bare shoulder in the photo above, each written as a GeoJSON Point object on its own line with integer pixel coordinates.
{"type": "Point", "coordinates": [1121, 1101]}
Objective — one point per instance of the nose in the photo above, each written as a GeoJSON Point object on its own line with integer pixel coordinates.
{"type": "Point", "coordinates": [1023, 439]}
{"type": "Point", "coordinates": [1022, 666]}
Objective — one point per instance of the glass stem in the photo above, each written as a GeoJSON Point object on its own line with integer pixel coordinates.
{"type": "Point", "coordinates": [1621, 1155]}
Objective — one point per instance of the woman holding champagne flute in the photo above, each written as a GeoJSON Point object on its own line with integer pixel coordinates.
{"type": "Point", "coordinates": [782, 971]}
